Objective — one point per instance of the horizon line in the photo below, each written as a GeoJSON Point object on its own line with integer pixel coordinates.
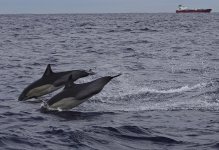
{"type": "Point", "coordinates": [62, 13]}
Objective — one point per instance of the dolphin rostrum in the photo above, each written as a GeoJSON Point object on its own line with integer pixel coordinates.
{"type": "Point", "coordinates": [51, 81]}
{"type": "Point", "coordinates": [74, 94]}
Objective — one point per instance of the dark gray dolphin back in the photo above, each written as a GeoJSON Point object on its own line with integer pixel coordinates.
{"type": "Point", "coordinates": [55, 79]}
{"type": "Point", "coordinates": [81, 91]}
{"type": "Point", "coordinates": [93, 87]}
{"type": "Point", "coordinates": [75, 75]}
{"type": "Point", "coordinates": [97, 83]}
{"type": "Point", "coordinates": [42, 81]}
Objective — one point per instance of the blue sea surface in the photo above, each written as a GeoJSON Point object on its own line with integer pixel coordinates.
{"type": "Point", "coordinates": [167, 97]}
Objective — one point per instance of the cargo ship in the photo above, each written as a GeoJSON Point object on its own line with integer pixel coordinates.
{"type": "Point", "coordinates": [183, 9]}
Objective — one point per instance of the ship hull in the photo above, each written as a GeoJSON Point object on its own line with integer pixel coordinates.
{"type": "Point", "coordinates": [194, 11]}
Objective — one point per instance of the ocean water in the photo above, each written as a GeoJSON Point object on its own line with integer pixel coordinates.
{"type": "Point", "coordinates": [167, 97]}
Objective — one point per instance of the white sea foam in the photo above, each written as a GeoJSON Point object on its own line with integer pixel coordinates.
{"type": "Point", "coordinates": [136, 91]}
{"type": "Point", "coordinates": [122, 101]}
{"type": "Point", "coordinates": [174, 90]}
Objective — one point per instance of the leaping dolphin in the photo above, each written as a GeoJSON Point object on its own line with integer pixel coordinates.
{"type": "Point", "coordinates": [51, 81]}
{"type": "Point", "coordinates": [75, 94]}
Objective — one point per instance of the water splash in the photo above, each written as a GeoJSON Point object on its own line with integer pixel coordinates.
{"type": "Point", "coordinates": [174, 90]}
{"type": "Point", "coordinates": [145, 98]}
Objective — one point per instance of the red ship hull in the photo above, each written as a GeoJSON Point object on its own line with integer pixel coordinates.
{"type": "Point", "coordinates": [194, 11]}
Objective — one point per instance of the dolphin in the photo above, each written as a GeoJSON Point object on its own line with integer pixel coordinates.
{"type": "Point", "coordinates": [51, 81]}
{"type": "Point", "coordinates": [74, 94]}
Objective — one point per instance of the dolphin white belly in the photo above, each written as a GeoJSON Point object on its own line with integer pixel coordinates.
{"type": "Point", "coordinates": [67, 103]}
{"type": "Point", "coordinates": [42, 90]}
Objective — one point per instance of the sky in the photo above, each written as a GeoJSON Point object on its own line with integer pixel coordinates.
{"type": "Point", "coordinates": [100, 6]}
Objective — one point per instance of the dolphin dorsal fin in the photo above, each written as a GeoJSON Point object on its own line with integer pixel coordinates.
{"type": "Point", "coordinates": [70, 82]}
{"type": "Point", "coordinates": [48, 71]}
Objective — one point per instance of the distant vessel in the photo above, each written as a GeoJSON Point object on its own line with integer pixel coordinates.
{"type": "Point", "coordinates": [183, 9]}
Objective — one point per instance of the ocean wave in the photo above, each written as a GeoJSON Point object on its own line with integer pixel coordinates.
{"type": "Point", "coordinates": [135, 133]}
{"type": "Point", "coordinates": [216, 145]}
{"type": "Point", "coordinates": [15, 141]}
{"type": "Point", "coordinates": [77, 115]}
